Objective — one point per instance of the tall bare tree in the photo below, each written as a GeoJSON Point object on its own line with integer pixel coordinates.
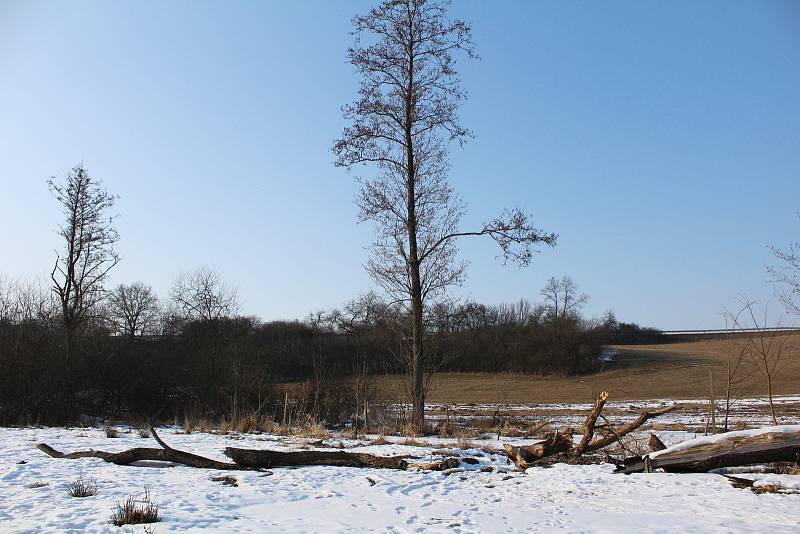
{"type": "Point", "coordinates": [88, 254]}
{"type": "Point", "coordinates": [201, 294]}
{"type": "Point", "coordinates": [401, 125]}
{"type": "Point", "coordinates": [133, 309]}
{"type": "Point", "coordinates": [786, 275]}
{"type": "Point", "coordinates": [562, 297]}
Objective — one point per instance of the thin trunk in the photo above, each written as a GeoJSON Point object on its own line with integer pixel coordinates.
{"type": "Point", "coordinates": [417, 333]}
{"type": "Point", "coordinates": [771, 405]}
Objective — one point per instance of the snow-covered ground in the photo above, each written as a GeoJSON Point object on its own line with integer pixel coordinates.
{"type": "Point", "coordinates": [580, 498]}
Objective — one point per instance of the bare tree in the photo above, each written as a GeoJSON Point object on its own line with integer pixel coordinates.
{"type": "Point", "coordinates": [737, 351]}
{"type": "Point", "coordinates": [201, 294]}
{"type": "Point", "coordinates": [88, 255]}
{"type": "Point", "coordinates": [562, 298]}
{"type": "Point", "coordinates": [764, 343]}
{"type": "Point", "coordinates": [133, 309]}
{"type": "Point", "coordinates": [786, 276]}
{"type": "Point", "coordinates": [401, 126]}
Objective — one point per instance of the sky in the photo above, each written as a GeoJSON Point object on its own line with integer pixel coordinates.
{"type": "Point", "coordinates": [660, 140]}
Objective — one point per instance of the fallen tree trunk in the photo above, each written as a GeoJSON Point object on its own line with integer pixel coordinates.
{"type": "Point", "coordinates": [165, 454]}
{"type": "Point", "coordinates": [555, 444]}
{"type": "Point", "coordinates": [243, 458]}
{"type": "Point", "coordinates": [258, 458]}
{"type": "Point", "coordinates": [528, 455]}
{"type": "Point", "coordinates": [764, 445]}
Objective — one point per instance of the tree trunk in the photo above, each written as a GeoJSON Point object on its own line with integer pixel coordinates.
{"type": "Point", "coordinates": [588, 425]}
{"type": "Point", "coordinates": [770, 444]}
{"type": "Point", "coordinates": [253, 458]}
{"type": "Point", "coordinates": [166, 454]}
{"type": "Point", "coordinates": [417, 332]}
{"type": "Point", "coordinates": [527, 455]}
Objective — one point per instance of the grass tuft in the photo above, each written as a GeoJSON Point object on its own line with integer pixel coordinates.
{"type": "Point", "coordinates": [135, 511]}
{"type": "Point", "coordinates": [83, 487]}
{"type": "Point", "coordinates": [111, 432]}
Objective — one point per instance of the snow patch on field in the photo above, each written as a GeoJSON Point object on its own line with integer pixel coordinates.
{"type": "Point", "coordinates": [586, 498]}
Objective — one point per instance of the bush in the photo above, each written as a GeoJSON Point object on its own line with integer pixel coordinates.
{"type": "Point", "coordinates": [82, 487]}
{"type": "Point", "coordinates": [136, 512]}
{"type": "Point", "coordinates": [111, 432]}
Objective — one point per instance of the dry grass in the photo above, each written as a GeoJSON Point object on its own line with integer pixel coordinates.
{"type": "Point", "coordinates": [111, 432]}
{"type": "Point", "coordinates": [380, 440]}
{"type": "Point", "coordinates": [677, 370]}
{"type": "Point", "coordinates": [135, 511]}
{"type": "Point", "coordinates": [412, 442]}
{"type": "Point", "coordinates": [143, 431]}
{"type": "Point", "coordinates": [37, 484]}
{"type": "Point", "coordinates": [83, 487]}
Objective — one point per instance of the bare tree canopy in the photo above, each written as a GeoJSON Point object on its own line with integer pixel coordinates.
{"type": "Point", "coordinates": [562, 298]}
{"type": "Point", "coordinates": [401, 126]}
{"type": "Point", "coordinates": [786, 275]}
{"type": "Point", "coordinates": [88, 253]}
{"type": "Point", "coordinates": [201, 294]}
{"type": "Point", "coordinates": [133, 309]}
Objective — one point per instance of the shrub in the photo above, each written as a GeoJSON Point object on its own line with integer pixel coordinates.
{"type": "Point", "coordinates": [111, 432]}
{"type": "Point", "coordinates": [82, 487]}
{"type": "Point", "coordinates": [136, 511]}
{"type": "Point", "coordinates": [144, 432]}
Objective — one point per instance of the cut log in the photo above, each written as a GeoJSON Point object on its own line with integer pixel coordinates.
{"type": "Point", "coordinates": [655, 444]}
{"type": "Point", "coordinates": [527, 455]}
{"type": "Point", "coordinates": [262, 458]}
{"type": "Point", "coordinates": [588, 425]}
{"type": "Point", "coordinates": [764, 445]}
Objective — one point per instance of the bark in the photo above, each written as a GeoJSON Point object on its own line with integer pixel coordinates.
{"type": "Point", "coordinates": [528, 455]}
{"type": "Point", "coordinates": [627, 429]}
{"type": "Point", "coordinates": [588, 425]}
{"type": "Point", "coordinates": [774, 444]}
{"type": "Point", "coordinates": [655, 444]}
{"type": "Point", "coordinates": [255, 458]}
{"type": "Point", "coordinates": [165, 454]}
{"type": "Point", "coordinates": [243, 458]}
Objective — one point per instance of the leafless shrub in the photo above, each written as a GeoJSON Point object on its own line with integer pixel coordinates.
{"type": "Point", "coordinates": [135, 511]}
{"type": "Point", "coordinates": [83, 487]}
{"type": "Point", "coordinates": [144, 432]}
{"type": "Point", "coordinates": [111, 432]}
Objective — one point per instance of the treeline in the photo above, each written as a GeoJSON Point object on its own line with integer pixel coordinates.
{"type": "Point", "coordinates": [134, 357]}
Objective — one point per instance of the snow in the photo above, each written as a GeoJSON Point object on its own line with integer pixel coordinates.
{"type": "Point", "coordinates": [585, 498]}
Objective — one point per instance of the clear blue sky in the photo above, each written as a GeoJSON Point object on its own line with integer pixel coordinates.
{"type": "Point", "coordinates": [661, 140]}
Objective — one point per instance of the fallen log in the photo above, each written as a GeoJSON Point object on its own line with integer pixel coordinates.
{"type": "Point", "coordinates": [745, 447]}
{"type": "Point", "coordinates": [262, 458]}
{"type": "Point", "coordinates": [655, 444]}
{"type": "Point", "coordinates": [243, 458]}
{"type": "Point", "coordinates": [528, 455]}
{"type": "Point", "coordinates": [165, 454]}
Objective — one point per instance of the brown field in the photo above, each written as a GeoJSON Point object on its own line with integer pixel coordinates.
{"type": "Point", "coordinates": [672, 370]}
